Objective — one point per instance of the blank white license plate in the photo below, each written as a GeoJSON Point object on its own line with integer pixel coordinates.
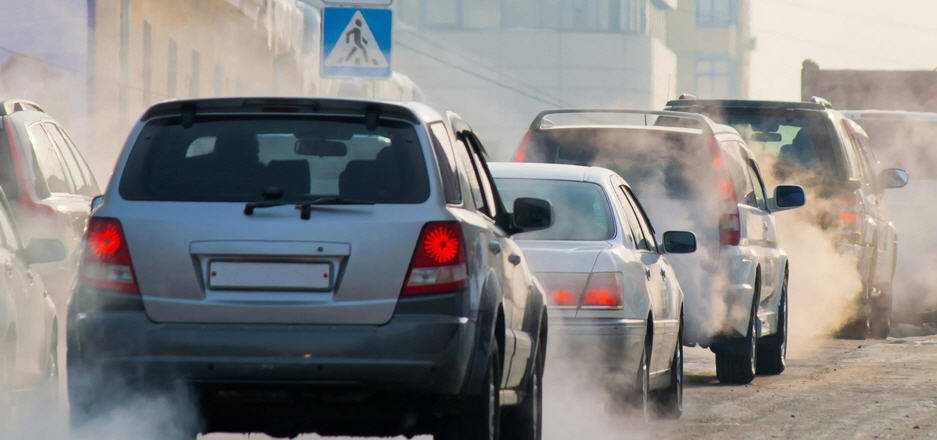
{"type": "Point", "coordinates": [272, 276]}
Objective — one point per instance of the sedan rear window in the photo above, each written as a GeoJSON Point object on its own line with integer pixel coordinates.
{"type": "Point", "coordinates": [580, 209]}
{"type": "Point", "coordinates": [239, 159]}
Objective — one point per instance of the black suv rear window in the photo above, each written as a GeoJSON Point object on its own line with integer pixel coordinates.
{"type": "Point", "coordinates": [237, 159]}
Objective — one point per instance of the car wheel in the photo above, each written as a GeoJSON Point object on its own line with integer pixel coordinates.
{"type": "Point", "coordinates": [642, 385]}
{"type": "Point", "coordinates": [772, 350]}
{"type": "Point", "coordinates": [481, 419]}
{"type": "Point", "coordinates": [880, 319]}
{"type": "Point", "coordinates": [525, 421]}
{"type": "Point", "coordinates": [735, 362]}
{"type": "Point", "coordinates": [669, 401]}
{"type": "Point", "coordinates": [856, 328]}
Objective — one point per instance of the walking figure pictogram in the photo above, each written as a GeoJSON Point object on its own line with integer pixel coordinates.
{"type": "Point", "coordinates": [360, 42]}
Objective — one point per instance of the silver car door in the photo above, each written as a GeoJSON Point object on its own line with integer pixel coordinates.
{"type": "Point", "coordinates": [29, 327]}
{"type": "Point", "coordinates": [666, 324]}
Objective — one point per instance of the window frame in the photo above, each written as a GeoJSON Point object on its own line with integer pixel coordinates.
{"type": "Point", "coordinates": [714, 74]}
{"type": "Point", "coordinates": [710, 20]}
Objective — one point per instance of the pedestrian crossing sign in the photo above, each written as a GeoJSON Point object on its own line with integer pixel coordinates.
{"type": "Point", "coordinates": [356, 42]}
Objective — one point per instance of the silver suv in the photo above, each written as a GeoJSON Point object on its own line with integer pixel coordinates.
{"type": "Point", "coordinates": [310, 265]}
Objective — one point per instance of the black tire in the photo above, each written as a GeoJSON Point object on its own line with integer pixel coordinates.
{"type": "Point", "coordinates": [772, 349]}
{"type": "Point", "coordinates": [736, 360]}
{"type": "Point", "coordinates": [880, 319]}
{"type": "Point", "coordinates": [525, 421]}
{"type": "Point", "coordinates": [481, 418]}
{"type": "Point", "coordinates": [669, 401]}
{"type": "Point", "coordinates": [857, 328]}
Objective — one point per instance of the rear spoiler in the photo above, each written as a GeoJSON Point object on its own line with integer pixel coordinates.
{"type": "Point", "coordinates": [370, 110]}
{"type": "Point", "coordinates": [660, 117]}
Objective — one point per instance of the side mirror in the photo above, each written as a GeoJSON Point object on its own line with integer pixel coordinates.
{"type": "Point", "coordinates": [96, 201]}
{"type": "Point", "coordinates": [531, 214]}
{"type": "Point", "coordinates": [892, 178]}
{"type": "Point", "coordinates": [679, 242]}
{"type": "Point", "coordinates": [787, 197]}
{"type": "Point", "coordinates": [43, 250]}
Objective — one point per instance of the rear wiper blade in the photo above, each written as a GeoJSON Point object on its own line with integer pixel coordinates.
{"type": "Point", "coordinates": [306, 207]}
{"type": "Point", "coordinates": [249, 207]}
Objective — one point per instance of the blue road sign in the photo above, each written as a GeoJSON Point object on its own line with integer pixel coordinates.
{"type": "Point", "coordinates": [356, 42]}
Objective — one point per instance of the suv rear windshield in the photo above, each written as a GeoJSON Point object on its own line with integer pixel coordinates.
{"type": "Point", "coordinates": [668, 162]}
{"type": "Point", "coordinates": [238, 159]}
{"type": "Point", "coordinates": [580, 209]}
{"type": "Point", "coordinates": [800, 140]}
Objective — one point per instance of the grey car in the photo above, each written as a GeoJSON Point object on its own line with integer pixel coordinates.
{"type": "Point", "coordinates": [310, 265]}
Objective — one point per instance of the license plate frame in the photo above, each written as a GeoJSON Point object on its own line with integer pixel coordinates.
{"type": "Point", "coordinates": [270, 276]}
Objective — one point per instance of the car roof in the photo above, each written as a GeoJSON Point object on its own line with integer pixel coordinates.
{"type": "Point", "coordinates": [549, 171]}
{"type": "Point", "coordinates": [745, 103]}
{"type": "Point", "coordinates": [415, 111]}
{"type": "Point", "coordinates": [897, 115]}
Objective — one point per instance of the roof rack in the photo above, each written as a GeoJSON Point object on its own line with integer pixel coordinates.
{"type": "Point", "coordinates": [13, 105]}
{"type": "Point", "coordinates": [818, 100]}
{"type": "Point", "coordinates": [687, 96]}
{"type": "Point", "coordinates": [701, 120]}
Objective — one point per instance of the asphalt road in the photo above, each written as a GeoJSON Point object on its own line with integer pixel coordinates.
{"type": "Point", "coordinates": [833, 389]}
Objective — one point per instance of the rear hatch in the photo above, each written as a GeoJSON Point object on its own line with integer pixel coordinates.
{"type": "Point", "coordinates": [259, 218]}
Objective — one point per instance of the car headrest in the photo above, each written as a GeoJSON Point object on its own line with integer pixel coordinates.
{"type": "Point", "coordinates": [291, 176]}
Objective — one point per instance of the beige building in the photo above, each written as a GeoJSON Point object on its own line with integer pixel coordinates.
{"type": "Point", "coordinates": [712, 40]}
{"type": "Point", "coordinates": [145, 51]}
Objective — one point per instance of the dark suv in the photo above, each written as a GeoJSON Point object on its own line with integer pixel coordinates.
{"type": "Point", "coordinates": [829, 154]}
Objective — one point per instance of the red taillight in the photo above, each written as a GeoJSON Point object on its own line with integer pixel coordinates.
{"type": "Point", "coordinates": [730, 224]}
{"type": "Point", "coordinates": [438, 264]}
{"type": "Point", "coordinates": [603, 291]}
{"type": "Point", "coordinates": [848, 219]}
{"type": "Point", "coordinates": [564, 297]}
{"type": "Point", "coordinates": [521, 150]}
{"type": "Point", "coordinates": [105, 261]}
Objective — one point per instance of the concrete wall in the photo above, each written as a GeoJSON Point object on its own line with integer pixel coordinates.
{"type": "Point", "coordinates": [499, 79]}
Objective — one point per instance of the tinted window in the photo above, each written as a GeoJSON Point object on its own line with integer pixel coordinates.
{"type": "Point", "coordinates": [758, 188]}
{"type": "Point", "coordinates": [673, 162]}
{"type": "Point", "coordinates": [306, 158]}
{"type": "Point", "coordinates": [580, 209]}
{"type": "Point", "coordinates": [48, 160]}
{"type": "Point", "coordinates": [71, 165]}
{"type": "Point", "coordinates": [92, 184]}
{"type": "Point", "coordinates": [647, 231]}
{"type": "Point", "coordinates": [467, 168]}
{"type": "Point", "coordinates": [443, 148]}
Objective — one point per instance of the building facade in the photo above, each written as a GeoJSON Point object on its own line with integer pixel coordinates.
{"type": "Point", "coordinates": [712, 40]}
{"type": "Point", "coordinates": [500, 62]}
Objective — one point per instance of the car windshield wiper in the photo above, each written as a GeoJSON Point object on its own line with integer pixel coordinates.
{"type": "Point", "coordinates": [305, 207]}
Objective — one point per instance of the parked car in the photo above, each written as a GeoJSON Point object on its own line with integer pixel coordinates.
{"type": "Point", "coordinates": [693, 174]}
{"type": "Point", "coordinates": [905, 140]}
{"type": "Point", "coordinates": [48, 182]}
{"type": "Point", "coordinates": [28, 322]}
{"type": "Point", "coordinates": [311, 265]}
{"type": "Point", "coordinates": [609, 286]}
{"type": "Point", "coordinates": [812, 139]}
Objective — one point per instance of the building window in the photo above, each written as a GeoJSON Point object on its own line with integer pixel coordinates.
{"type": "Point", "coordinates": [147, 63]}
{"type": "Point", "coordinates": [171, 67]}
{"type": "Point", "coordinates": [715, 77]}
{"type": "Point", "coordinates": [717, 13]}
{"type": "Point", "coordinates": [196, 67]}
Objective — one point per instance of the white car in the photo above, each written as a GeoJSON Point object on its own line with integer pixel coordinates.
{"type": "Point", "coordinates": [694, 174]}
{"type": "Point", "coordinates": [607, 281]}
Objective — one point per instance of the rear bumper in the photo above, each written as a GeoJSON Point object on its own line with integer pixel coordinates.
{"type": "Point", "coordinates": [615, 344]}
{"type": "Point", "coordinates": [417, 353]}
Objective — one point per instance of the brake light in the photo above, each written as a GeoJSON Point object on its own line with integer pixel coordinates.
{"type": "Point", "coordinates": [603, 291]}
{"type": "Point", "coordinates": [848, 219]}
{"type": "Point", "coordinates": [438, 264]}
{"type": "Point", "coordinates": [105, 260]}
{"type": "Point", "coordinates": [521, 151]}
{"type": "Point", "coordinates": [564, 297]}
{"type": "Point", "coordinates": [730, 224]}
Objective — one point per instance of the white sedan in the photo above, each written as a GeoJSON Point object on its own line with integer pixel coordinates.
{"type": "Point", "coordinates": [614, 300]}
